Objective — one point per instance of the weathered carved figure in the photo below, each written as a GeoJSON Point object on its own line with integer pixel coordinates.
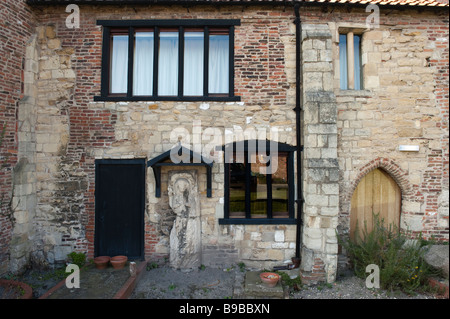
{"type": "Point", "coordinates": [185, 236]}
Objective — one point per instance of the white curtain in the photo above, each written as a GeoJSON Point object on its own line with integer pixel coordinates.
{"type": "Point", "coordinates": [143, 64]}
{"type": "Point", "coordinates": [218, 64]}
{"type": "Point", "coordinates": [343, 61]}
{"type": "Point", "coordinates": [119, 64]}
{"type": "Point", "coordinates": [168, 64]}
{"type": "Point", "coordinates": [193, 64]}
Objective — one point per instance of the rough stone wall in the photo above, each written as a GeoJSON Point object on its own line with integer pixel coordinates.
{"type": "Point", "coordinates": [16, 24]}
{"type": "Point", "coordinates": [24, 195]}
{"type": "Point", "coordinates": [321, 170]}
{"type": "Point", "coordinates": [59, 202]}
{"type": "Point", "coordinates": [404, 102]}
{"type": "Point", "coordinates": [349, 133]}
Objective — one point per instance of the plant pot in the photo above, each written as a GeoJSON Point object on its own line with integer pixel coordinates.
{"type": "Point", "coordinates": [25, 293]}
{"type": "Point", "coordinates": [101, 262]}
{"type": "Point", "coordinates": [118, 262]}
{"type": "Point", "coordinates": [270, 279]}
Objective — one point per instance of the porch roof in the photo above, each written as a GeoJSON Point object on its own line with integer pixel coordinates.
{"type": "Point", "coordinates": [396, 3]}
{"type": "Point", "coordinates": [180, 156]}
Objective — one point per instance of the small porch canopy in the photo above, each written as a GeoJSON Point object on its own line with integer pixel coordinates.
{"type": "Point", "coordinates": [180, 156]}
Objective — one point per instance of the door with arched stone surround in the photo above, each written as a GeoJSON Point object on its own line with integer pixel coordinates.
{"type": "Point", "coordinates": [376, 193]}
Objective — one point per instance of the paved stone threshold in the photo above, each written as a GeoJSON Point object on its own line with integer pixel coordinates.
{"type": "Point", "coordinates": [250, 286]}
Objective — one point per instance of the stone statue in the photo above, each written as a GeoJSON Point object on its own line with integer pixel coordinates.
{"type": "Point", "coordinates": [185, 236]}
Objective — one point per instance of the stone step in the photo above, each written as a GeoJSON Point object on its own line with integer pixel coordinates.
{"type": "Point", "coordinates": [254, 288]}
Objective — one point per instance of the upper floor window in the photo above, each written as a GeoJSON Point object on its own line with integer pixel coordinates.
{"type": "Point", "coordinates": [350, 61]}
{"type": "Point", "coordinates": [187, 60]}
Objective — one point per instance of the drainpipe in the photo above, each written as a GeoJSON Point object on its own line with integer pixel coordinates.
{"type": "Point", "coordinates": [298, 109]}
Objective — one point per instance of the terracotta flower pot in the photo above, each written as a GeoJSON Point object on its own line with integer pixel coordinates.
{"type": "Point", "coordinates": [101, 262]}
{"type": "Point", "coordinates": [118, 262]}
{"type": "Point", "coordinates": [269, 278]}
{"type": "Point", "coordinates": [27, 291]}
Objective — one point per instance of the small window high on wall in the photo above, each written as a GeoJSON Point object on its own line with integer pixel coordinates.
{"type": "Point", "coordinates": [168, 60]}
{"type": "Point", "coordinates": [350, 72]}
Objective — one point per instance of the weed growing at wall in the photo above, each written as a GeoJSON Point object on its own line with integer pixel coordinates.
{"type": "Point", "coordinates": [78, 259]}
{"type": "Point", "coordinates": [400, 260]}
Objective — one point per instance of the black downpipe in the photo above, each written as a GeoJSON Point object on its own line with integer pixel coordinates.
{"type": "Point", "coordinates": [298, 109]}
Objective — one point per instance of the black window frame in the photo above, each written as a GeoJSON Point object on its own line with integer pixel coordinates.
{"type": "Point", "coordinates": [131, 25]}
{"type": "Point", "coordinates": [248, 220]}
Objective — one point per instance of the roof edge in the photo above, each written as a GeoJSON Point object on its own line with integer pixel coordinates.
{"type": "Point", "coordinates": [235, 2]}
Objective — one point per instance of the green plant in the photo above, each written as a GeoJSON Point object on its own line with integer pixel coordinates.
{"type": "Point", "coordinates": [324, 285]}
{"type": "Point", "coordinates": [400, 260]}
{"type": "Point", "coordinates": [288, 281]}
{"type": "Point", "coordinates": [151, 266]}
{"type": "Point", "coordinates": [58, 274]}
{"type": "Point", "coordinates": [78, 259]}
{"type": "Point", "coordinates": [241, 266]}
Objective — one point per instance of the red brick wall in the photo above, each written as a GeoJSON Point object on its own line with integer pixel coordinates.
{"type": "Point", "coordinates": [16, 25]}
{"type": "Point", "coordinates": [437, 176]}
{"type": "Point", "coordinates": [260, 58]}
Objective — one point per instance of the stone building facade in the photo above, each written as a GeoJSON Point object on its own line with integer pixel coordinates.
{"type": "Point", "coordinates": [58, 127]}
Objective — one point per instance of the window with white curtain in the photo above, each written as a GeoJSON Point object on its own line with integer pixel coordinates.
{"type": "Point", "coordinates": [119, 66]}
{"type": "Point", "coordinates": [143, 64]}
{"type": "Point", "coordinates": [218, 63]}
{"type": "Point", "coordinates": [168, 64]}
{"type": "Point", "coordinates": [193, 63]}
{"type": "Point", "coordinates": [350, 75]}
{"type": "Point", "coordinates": [168, 61]}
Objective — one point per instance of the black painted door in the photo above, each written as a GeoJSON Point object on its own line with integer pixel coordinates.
{"type": "Point", "coordinates": [119, 211]}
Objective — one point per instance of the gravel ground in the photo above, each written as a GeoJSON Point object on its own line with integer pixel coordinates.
{"type": "Point", "coordinates": [352, 287]}
{"type": "Point", "coordinates": [211, 283]}
{"type": "Point", "coordinates": [166, 283]}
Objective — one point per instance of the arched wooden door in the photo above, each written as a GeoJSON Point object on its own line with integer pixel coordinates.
{"type": "Point", "coordinates": [376, 193]}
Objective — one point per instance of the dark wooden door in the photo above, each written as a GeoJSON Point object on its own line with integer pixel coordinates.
{"type": "Point", "coordinates": [119, 211]}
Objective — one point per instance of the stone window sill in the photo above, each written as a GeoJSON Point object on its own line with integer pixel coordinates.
{"type": "Point", "coordinates": [257, 221]}
{"type": "Point", "coordinates": [354, 93]}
